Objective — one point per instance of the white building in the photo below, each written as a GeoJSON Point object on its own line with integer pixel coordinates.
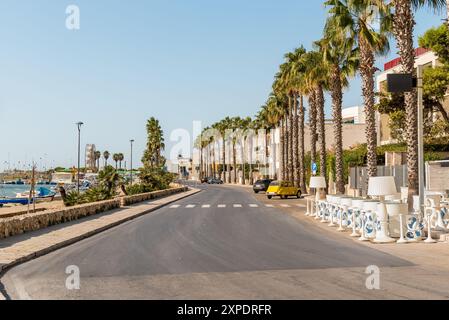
{"type": "Point", "coordinates": [354, 115]}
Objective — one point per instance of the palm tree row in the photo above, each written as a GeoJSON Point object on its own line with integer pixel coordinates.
{"type": "Point", "coordinates": [355, 33]}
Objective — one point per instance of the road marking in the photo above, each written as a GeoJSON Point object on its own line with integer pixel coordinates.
{"type": "Point", "coordinates": [254, 206]}
{"type": "Point", "coordinates": [301, 205]}
{"type": "Point", "coordinates": [221, 206]}
{"type": "Point", "coordinates": [269, 206]}
{"type": "Point", "coordinates": [190, 206]}
{"type": "Point", "coordinates": [206, 206]}
{"type": "Point", "coordinates": [237, 206]}
{"type": "Point", "coordinates": [175, 206]}
{"type": "Point", "coordinates": [285, 206]}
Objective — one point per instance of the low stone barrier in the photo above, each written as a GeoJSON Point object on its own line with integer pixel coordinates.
{"type": "Point", "coordinates": [130, 200]}
{"type": "Point", "coordinates": [34, 221]}
{"type": "Point", "coordinates": [39, 220]}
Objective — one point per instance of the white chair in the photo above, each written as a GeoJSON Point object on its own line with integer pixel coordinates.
{"type": "Point", "coordinates": [345, 204]}
{"type": "Point", "coordinates": [368, 213]}
{"type": "Point", "coordinates": [335, 202]}
{"type": "Point", "coordinates": [398, 210]}
{"type": "Point", "coordinates": [357, 207]}
{"type": "Point", "coordinates": [432, 209]}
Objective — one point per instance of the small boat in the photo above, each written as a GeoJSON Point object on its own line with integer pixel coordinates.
{"type": "Point", "coordinates": [42, 194]}
{"type": "Point", "coordinates": [22, 201]}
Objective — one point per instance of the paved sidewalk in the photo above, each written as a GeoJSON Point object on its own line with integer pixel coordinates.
{"type": "Point", "coordinates": [18, 249]}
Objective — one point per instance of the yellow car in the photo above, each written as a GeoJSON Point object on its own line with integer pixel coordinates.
{"type": "Point", "coordinates": [283, 189]}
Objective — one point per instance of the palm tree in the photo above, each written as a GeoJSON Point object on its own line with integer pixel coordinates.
{"type": "Point", "coordinates": [222, 127]}
{"type": "Point", "coordinates": [106, 156]}
{"type": "Point", "coordinates": [281, 91]}
{"type": "Point", "coordinates": [403, 27]}
{"type": "Point", "coordinates": [316, 76]}
{"type": "Point", "coordinates": [338, 53]}
{"type": "Point", "coordinates": [243, 125]}
{"type": "Point", "coordinates": [97, 159]}
{"type": "Point", "coordinates": [274, 116]}
{"type": "Point", "coordinates": [121, 157]}
{"type": "Point", "coordinates": [155, 144]}
{"type": "Point", "coordinates": [356, 17]}
{"type": "Point", "coordinates": [116, 158]}
{"type": "Point", "coordinates": [295, 83]}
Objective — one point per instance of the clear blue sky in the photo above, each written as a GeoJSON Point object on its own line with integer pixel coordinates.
{"type": "Point", "coordinates": [176, 60]}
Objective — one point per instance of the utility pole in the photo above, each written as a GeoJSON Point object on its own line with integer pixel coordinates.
{"type": "Point", "coordinates": [421, 162]}
{"type": "Point", "coordinates": [79, 124]}
{"type": "Point", "coordinates": [131, 162]}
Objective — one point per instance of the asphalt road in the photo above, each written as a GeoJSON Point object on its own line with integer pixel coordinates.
{"type": "Point", "coordinates": [222, 243]}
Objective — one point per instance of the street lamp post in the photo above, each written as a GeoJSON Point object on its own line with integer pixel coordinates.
{"type": "Point", "coordinates": [421, 161]}
{"type": "Point", "coordinates": [131, 162]}
{"type": "Point", "coordinates": [79, 124]}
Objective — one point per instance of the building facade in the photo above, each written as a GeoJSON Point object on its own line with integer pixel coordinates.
{"type": "Point", "coordinates": [423, 57]}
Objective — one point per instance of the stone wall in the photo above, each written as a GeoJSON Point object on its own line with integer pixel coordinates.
{"type": "Point", "coordinates": [129, 200]}
{"type": "Point", "coordinates": [34, 221]}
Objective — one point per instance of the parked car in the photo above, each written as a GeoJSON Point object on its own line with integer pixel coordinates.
{"type": "Point", "coordinates": [262, 185]}
{"type": "Point", "coordinates": [214, 181]}
{"type": "Point", "coordinates": [283, 189]}
{"type": "Point", "coordinates": [205, 179]}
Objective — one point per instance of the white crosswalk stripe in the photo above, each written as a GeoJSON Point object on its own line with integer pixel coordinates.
{"type": "Point", "coordinates": [221, 206]}
{"type": "Point", "coordinates": [175, 206]}
{"type": "Point", "coordinates": [285, 206]}
{"type": "Point", "coordinates": [190, 206]}
{"type": "Point", "coordinates": [205, 206]}
{"type": "Point", "coordinates": [237, 205]}
{"type": "Point", "coordinates": [269, 205]}
{"type": "Point", "coordinates": [301, 205]}
{"type": "Point", "coordinates": [253, 206]}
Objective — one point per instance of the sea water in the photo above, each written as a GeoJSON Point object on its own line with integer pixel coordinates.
{"type": "Point", "coordinates": [11, 190]}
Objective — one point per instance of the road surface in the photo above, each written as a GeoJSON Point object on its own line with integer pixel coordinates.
{"type": "Point", "coordinates": [222, 243]}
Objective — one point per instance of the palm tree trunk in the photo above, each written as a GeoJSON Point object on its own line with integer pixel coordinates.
{"type": "Point", "coordinates": [367, 71]}
{"type": "Point", "coordinates": [319, 94]}
{"type": "Point", "coordinates": [282, 153]}
{"type": "Point", "coordinates": [286, 144]}
{"type": "Point", "coordinates": [234, 155]}
{"type": "Point", "coordinates": [302, 166]}
{"type": "Point", "coordinates": [267, 152]}
{"type": "Point", "coordinates": [290, 139]}
{"type": "Point", "coordinates": [312, 127]}
{"type": "Point", "coordinates": [337, 101]}
{"type": "Point", "coordinates": [296, 179]}
{"type": "Point", "coordinates": [403, 26]}
{"type": "Point", "coordinates": [224, 159]}
{"type": "Point", "coordinates": [242, 150]}
{"type": "Point", "coordinates": [229, 163]}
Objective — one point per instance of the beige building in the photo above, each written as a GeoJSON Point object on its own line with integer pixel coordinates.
{"type": "Point", "coordinates": [425, 58]}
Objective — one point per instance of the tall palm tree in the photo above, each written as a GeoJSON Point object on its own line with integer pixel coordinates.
{"type": "Point", "coordinates": [274, 116]}
{"type": "Point", "coordinates": [356, 17]}
{"type": "Point", "coordinates": [121, 157]}
{"type": "Point", "coordinates": [403, 27]}
{"type": "Point", "coordinates": [316, 77]}
{"type": "Point", "coordinates": [155, 144]}
{"type": "Point", "coordinates": [244, 126]}
{"type": "Point", "coordinates": [106, 156]}
{"type": "Point", "coordinates": [222, 127]}
{"type": "Point", "coordinates": [97, 159]}
{"type": "Point", "coordinates": [338, 53]}
{"type": "Point", "coordinates": [281, 91]}
{"type": "Point", "coordinates": [295, 84]}
{"type": "Point", "coordinates": [116, 158]}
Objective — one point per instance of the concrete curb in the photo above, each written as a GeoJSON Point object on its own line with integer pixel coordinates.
{"type": "Point", "coordinates": [5, 267]}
